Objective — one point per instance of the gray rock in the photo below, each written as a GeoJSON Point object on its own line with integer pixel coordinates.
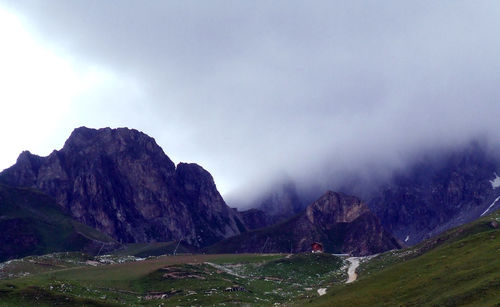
{"type": "Point", "coordinates": [120, 182]}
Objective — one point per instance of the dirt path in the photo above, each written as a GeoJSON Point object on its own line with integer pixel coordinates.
{"type": "Point", "coordinates": [351, 271]}
{"type": "Point", "coordinates": [224, 269]}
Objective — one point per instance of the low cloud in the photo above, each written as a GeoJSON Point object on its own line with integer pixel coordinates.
{"type": "Point", "coordinates": [262, 90]}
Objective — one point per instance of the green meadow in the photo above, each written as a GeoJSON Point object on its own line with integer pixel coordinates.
{"type": "Point", "coordinates": [458, 268]}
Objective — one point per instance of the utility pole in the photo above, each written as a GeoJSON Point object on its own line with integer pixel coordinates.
{"type": "Point", "coordinates": [262, 250]}
{"type": "Point", "coordinates": [100, 249]}
{"type": "Point", "coordinates": [175, 250]}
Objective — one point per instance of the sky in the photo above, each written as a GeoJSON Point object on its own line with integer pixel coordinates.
{"type": "Point", "coordinates": [254, 91]}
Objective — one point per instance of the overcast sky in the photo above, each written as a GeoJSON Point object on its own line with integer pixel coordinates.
{"type": "Point", "coordinates": [253, 90]}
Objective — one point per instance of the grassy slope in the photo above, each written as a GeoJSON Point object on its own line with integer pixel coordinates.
{"type": "Point", "coordinates": [32, 223]}
{"type": "Point", "coordinates": [182, 280]}
{"type": "Point", "coordinates": [460, 267]}
{"type": "Point", "coordinates": [152, 249]}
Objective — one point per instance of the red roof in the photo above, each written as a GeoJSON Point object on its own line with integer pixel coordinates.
{"type": "Point", "coordinates": [316, 246]}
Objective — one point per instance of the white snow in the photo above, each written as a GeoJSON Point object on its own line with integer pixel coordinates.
{"type": "Point", "coordinates": [495, 183]}
{"type": "Point", "coordinates": [491, 206]}
{"type": "Point", "coordinates": [321, 291]}
{"type": "Point", "coordinates": [351, 272]}
{"type": "Point", "coordinates": [407, 238]}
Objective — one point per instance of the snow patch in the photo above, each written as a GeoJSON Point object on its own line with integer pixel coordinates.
{"type": "Point", "coordinates": [321, 291]}
{"type": "Point", "coordinates": [495, 183]}
{"type": "Point", "coordinates": [491, 206]}
{"type": "Point", "coordinates": [407, 238]}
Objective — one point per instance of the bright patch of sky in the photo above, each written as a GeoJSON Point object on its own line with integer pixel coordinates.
{"type": "Point", "coordinates": [42, 92]}
{"type": "Point", "coordinates": [254, 90]}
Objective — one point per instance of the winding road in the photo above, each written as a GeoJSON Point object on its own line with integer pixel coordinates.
{"type": "Point", "coordinates": [351, 271]}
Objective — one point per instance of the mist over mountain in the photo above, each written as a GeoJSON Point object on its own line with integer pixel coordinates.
{"type": "Point", "coordinates": [256, 91]}
{"type": "Point", "coordinates": [431, 192]}
{"type": "Point", "coordinates": [342, 223]}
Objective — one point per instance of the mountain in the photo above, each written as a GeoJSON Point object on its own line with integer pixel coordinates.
{"type": "Point", "coordinates": [255, 218]}
{"type": "Point", "coordinates": [275, 205]}
{"type": "Point", "coordinates": [342, 223]}
{"type": "Point", "coordinates": [439, 190]}
{"type": "Point", "coordinates": [438, 193]}
{"type": "Point", "coordinates": [281, 203]}
{"type": "Point", "coordinates": [120, 182]}
{"type": "Point", "coordinates": [31, 223]}
{"type": "Point", "coordinates": [459, 267]}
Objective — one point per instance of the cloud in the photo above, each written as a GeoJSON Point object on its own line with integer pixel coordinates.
{"type": "Point", "coordinates": [255, 90]}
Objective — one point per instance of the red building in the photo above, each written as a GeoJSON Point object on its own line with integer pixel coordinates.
{"type": "Point", "coordinates": [317, 247]}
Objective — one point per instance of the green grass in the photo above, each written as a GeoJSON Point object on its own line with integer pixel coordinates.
{"type": "Point", "coordinates": [181, 280]}
{"type": "Point", "coordinates": [33, 224]}
{"type": "Point", "coordinates": [458, 268]}
{"type": "Point", "coordinates": [39, 264]}
{"type": "Point", "coordinates": [247, 258]}
{"type": "Point", "coordinates": [148, 249]}
{"type": "Point", "coordinates": [307, 269]}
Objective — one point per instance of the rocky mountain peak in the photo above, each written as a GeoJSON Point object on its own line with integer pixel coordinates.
{"type": "Point", "coordinates": [335, 207]}
{"type": "Point", "coordinates": [122, 183]}
{"type": "Point", "coordinates": [120, 141]}
{"type": "Point", "coordinates": [342, 223]}
{"type": "Point", "coordinates": [439, 192]}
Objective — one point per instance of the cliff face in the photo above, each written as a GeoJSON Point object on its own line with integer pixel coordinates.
{"type": "Point", "coordinates": [255, 218]}
{"type": "Point", "coordinates": [343, 223]}
{"type": "Point", "coordinates": [435, 195]}
{"type": "Point", "coordinates": [121, 182]}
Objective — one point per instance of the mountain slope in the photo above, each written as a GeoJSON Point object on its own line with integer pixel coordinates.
{"type": "Point", "coordinates": [342, 223]}
{"type": "Point", "coordinates": [457, 268]}
{"type": "Point", "coordinates": [437, 194]}
{"type": "Point", "coordinates": [121, 182]}
{"type": "Point", "coordinates": [437, 190]}
{"type": "Point", "coordinates": [31, 223]}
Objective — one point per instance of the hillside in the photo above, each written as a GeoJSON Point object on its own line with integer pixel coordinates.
{"type": "Point", "coordinates": [31, 223]}
{"type": "Point", "coordinates": [436, 190]}
{"type": "Point", "coordinates": [438, 193]}
{"type": "Point", "coordinates": [459, 267]}
{"type": "Point", "coordinates": [342, 223]}
{"type": "Point", "coordinates": [185, 280]}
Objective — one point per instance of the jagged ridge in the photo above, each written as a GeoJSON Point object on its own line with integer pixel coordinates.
{"type": "Point", "coordinates": [341, 222]}
{"type": "Point", "coordinates": [121, 182]}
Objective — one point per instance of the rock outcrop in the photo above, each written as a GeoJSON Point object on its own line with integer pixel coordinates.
{"type": "Point", "coordinates": [120, 182]}
{"type": "Point", "coordinates": [344, 224]}
{"type": "Point", "coordinates": [255, 218]}
{"type": "Point", "coordinates": [437, 194]}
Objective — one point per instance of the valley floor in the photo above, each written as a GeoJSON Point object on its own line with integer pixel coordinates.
{"type": "Point", "coordinates": [457, 268]}
{"type": "Point", "coordinates": [185, 280]}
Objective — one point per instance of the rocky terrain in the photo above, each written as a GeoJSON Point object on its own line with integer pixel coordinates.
{"type": "Point", "coordinates": [342, 223]}
{"type": "Point", "coordinates": [120, 182]}
{"type": "Point", "coordinates": [256, 218]}
{"type": "Point", "coordinates": [438, 193]}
